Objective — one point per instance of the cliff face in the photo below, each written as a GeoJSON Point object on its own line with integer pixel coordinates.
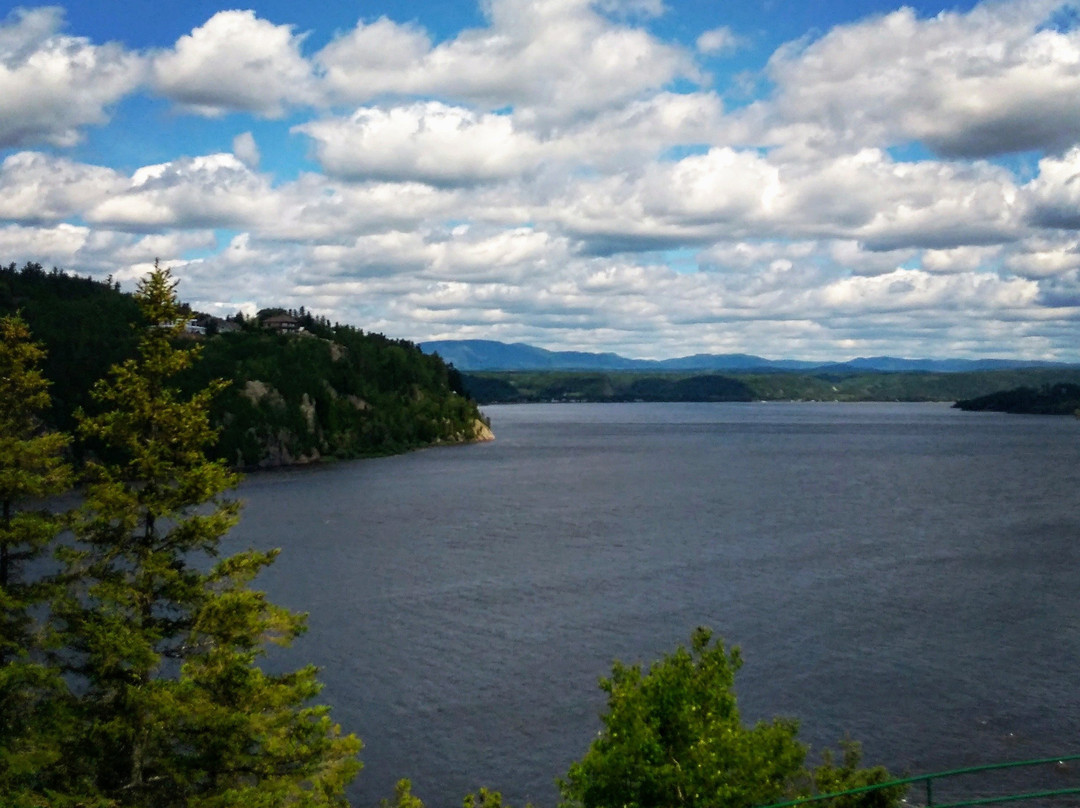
{"type": "Point", "coordinates": [482, 432]}
{"type": "Point", "coordinates": [268, 441]}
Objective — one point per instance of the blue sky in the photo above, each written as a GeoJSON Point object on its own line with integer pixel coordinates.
{"type": "Point", "coordinates": [792, 179]}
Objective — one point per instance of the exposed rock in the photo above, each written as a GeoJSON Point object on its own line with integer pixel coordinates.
{"type": "Point", "coordinates": [258, 392]}
{"type": "Point", "coordinates": [255, 391]}
{"type": "Point", "coordinates": [279, 449]}
{"type": "Point", "coordinates": [307, 407]}
{"type": "Point", "coordinates": [481, 431]}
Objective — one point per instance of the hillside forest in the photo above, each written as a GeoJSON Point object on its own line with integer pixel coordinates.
{"type": "Point", "coordinates": [317, 391]}
{"type": "Point", "coordinates": [1047, 389]}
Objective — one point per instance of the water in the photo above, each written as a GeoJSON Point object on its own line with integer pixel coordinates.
{"type": "Point", "coordinates": [903, 573]}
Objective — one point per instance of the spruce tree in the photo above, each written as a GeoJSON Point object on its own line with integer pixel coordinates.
{"type": "Point", "coordinates": [32, 469]}
{"type": "Point", "coordinates": [174, 710]}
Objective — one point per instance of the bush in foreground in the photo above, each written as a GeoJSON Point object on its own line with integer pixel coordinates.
{"type": "Point", "coordinates": [672, 736]}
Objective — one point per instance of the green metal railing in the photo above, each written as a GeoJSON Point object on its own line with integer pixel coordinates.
{"type": "Point", "coordinates": [928, 781]}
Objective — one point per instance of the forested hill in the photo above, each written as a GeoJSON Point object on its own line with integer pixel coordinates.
{"type": "Point", "coordinates": [516, 387]}
{"type": "Point", "coordinates": [320, 391]}
{"type": "Point", "coordinates": [1051, 399]}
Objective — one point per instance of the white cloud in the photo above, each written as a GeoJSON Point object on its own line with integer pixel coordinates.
{"type": "Point", "coordinates": [35, 187]}
{"type": "Point", "coordinates": [506, 254]}
{"type": "Point", "coordinates": [990, 81]}
{"type": "Point", "coordinates": [215, 190]}
{"type": "Point", "coordinates": [1045, 257]}
{"type": "Point", "coordinates": [544, 178]}
{"type": "Point", "coordinates": [959, 259]}
{"type": "Point", "coordinates": [718, 41]}
{"type": "Point", "coordinates": [427, 142]}
{"type": "Point", "coordinates": [374, 58]}
{"type": "Point", "coordinates": [462, 254]}
{"type": "Point", "coordinates": [734, 194]}
{"type": "Point", "coordinates": [58, 245]}
{"type": "Point", "coordinates": [312, 209]}
{"type": "Point", "coordinates": [448, 145]}
{"type": "Point", "coordinates": [100, 252]}
{"type": "Point", "coordinates": [625, 138]}
{"type": "Point", "coordinates": [236, 61]}
{"type": "Point", "coordinates": [1054, 195]}
{"type": "Point", "coordinates": [939, 206]}
{"type": "Point", "coordinates": [246, 150]}
{"type": "Point", "coordinates": [52, 85]}
{"type": "Point", "coordinates": [553, 60]}
{"type": "Point", "coordinates": [854, 258]}
{"type": "Point", "coordinates": [915, 290]}
{"type": "Point", "coordinates": [168, 247]}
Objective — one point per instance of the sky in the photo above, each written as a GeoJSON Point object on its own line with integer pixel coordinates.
{"type": "Point", "coordinates": [790, 179]}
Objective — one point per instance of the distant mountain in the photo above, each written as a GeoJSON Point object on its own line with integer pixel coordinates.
{"type": "Point", "coordinates": [478, 354]}
{"type": "Point", "coordinates": [483, 354]}
{"type": "Point", "coordinates": [734, 362]}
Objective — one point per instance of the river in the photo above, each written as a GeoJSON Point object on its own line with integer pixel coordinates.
{"type": "Point", "coordinates": [905, 573]}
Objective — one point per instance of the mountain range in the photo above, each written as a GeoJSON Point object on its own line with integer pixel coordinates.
{"type": "Point", "coordinates": [479, 354]}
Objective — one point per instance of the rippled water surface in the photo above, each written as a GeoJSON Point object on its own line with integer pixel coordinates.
{"type": "Point", "coordinates": [905, 573]}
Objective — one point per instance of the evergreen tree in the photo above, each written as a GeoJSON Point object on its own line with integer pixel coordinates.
{"type": "Point", "coordinates": [174, 710]}
{"type": "Point", "coordinates": [31, 469]}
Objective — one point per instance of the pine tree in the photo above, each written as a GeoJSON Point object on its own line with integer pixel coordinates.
{"type": "Point", "coordinates": [32, 469]}
{"type": "Point", "coordinates": [174, 709]}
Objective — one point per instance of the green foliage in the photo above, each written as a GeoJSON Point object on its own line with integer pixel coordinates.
{"type": "Point", "coordinates": [518, 386]}
{"type": "Point", "coordinates": [1052, 399]}
{"type": "Point", "coordinates": [673, 737]}
{"type": "Point", "coordinates": [404, 798]}
{"type": "Point", "coordinates": [485, 798]}
{"type": "Point", "coordinates": [173, 709]}
{"type": "Point", "coordinates": [712, 387]}
{"type": "Point", "coordinates": [830, 777]}
{"type": "Point", "coordinates": [346, 394]}
{"type": "Point", "coordinates": [31, 469]}
{"type": "Point", "coordinates": [331, 390]}
{"type": "Point", "coordinates": [85, 325]}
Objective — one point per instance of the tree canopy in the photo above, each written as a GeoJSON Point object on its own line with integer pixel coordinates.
{"type": "Point", "coordinates": [672, 736]}
{"type": "Point", "coordinates": [32, 694]}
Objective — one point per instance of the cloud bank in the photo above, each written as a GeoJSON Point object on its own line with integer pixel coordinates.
{"type": "Point", "coordinates": [566, 175]}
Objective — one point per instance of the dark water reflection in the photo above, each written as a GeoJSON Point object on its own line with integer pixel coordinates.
{"type": "Point", "coordinates": [904, 573]}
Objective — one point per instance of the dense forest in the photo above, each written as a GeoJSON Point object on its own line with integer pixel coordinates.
{"type": "Point", "coordinates": [318, 391]}
{"type": "Point", "coordinates": [1051, 399]}
{"type": "Point", "coordinates": [490, 387]}
{"type": "Point", "coordinates": [85, 326]}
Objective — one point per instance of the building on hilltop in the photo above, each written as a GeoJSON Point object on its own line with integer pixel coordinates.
{"type": "Point", "coordinates": [282, 323]}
